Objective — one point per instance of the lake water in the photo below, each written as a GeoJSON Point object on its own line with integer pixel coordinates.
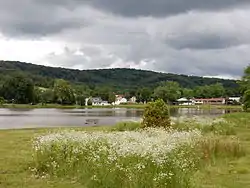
{"type": "Point", "coordinates": [35, 118]}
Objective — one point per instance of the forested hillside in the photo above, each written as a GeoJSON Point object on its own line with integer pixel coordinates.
{"type": "Point", "coordinates": [29, 83]}
{"type": "Point", "coordinates": [118, 79]}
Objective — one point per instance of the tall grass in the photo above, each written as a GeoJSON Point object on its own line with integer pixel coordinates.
{"type": "Point", "coordinates": [126, 126]}
{"type": "Point", "coordinates": [127, 156]}
{"type": "Point", "coordinates": [214, 147]}
{"type": "Point", "coordinates": [218, 126]}
{"type": "Point", "coordinates": [144, 158]}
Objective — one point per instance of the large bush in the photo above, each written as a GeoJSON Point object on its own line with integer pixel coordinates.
{"type": "Point", "coordinates": [156, 114]}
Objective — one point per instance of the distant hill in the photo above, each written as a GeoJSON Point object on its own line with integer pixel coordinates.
{"type": "Point", "coordinates": [118, 78]}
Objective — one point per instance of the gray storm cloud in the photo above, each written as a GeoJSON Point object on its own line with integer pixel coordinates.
{"type": "Point", "coordinates": [183, 36]}
{"type": "Point", "coordinates": [160, 8]}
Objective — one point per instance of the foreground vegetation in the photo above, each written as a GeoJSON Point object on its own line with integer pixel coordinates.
{"type": "Point", "coordinates": [222, 159]}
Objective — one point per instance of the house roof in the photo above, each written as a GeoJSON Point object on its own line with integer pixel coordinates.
{"type": "Point", "coordinates": [182, 99]}
{"type": "Point", "coordinates": [96, 99]}
{"type": "Point", "coordinates": [210, 99]}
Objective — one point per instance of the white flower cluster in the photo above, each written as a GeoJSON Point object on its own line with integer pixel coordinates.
{"type": "Point", "coordinates": [148, 142]}
{"type": "Point", "coordinates": [130, 151]}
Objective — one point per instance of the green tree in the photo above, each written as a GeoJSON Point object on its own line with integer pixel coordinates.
{"type": "Point", "coordinates": [111, 98]}
{"type": "Point", "coordinates": [202, 92]}
{"type": "Point", "coordinates": [63, 92]}
{"type": "Point", "coordinates": [188, 93]}
{"type": "Point", "coordinates": [18, 88]}
{"type": "Point", "coordinates": [169, 91]}
{"type": "Point", "coordinates": [2, 100]}
{"type": "Point", "coordinates": [246, 100]}
{"type": "Point", "coordinates": [82, 92]}
{"type": "Point", "coordinates": [144, 94]}
{"type": "Point", "coordinates": [245, 80]}
{"type": "Point", "coordinates": [217, 90]}
{"type": "Point", "coordinates": [80, 99]}
{"type": "Point", "coordinates": [89, 102]}
{"type": "Point", "coordinates": [47, 96]}
{"type": "Point", "coordinates": [102, 92]}
{"type": "Point", "coordinates": [245, 88]}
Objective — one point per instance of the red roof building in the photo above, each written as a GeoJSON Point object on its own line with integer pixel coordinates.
{"type": "Point", "coordinates": [210, 101]}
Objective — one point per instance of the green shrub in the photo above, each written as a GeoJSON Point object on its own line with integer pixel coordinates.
{"type": "Point", "coordinates": [1, 100]}
{"type": "Point", "coordinates": [156, 114]}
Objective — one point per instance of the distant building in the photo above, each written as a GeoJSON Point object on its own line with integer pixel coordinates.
{"type": "Point", "coordinates": [120, 99]}
{"type": "Point", "coordinates": [105, 103]}
{"type": "Point", "coordinates": [233, 100]}
{"type": "Point", "coordinates": [185, 101]}
{"type": "Point", "coordinates": [210, 101]}
{"type": "Point", "coordinates": [237, 99]}
{"type": "Point", "coordinates": [96, 101]}
{"type": "Point", "coordinates": [132, 100]}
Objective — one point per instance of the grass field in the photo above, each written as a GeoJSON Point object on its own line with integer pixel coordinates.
{"type": "Point", "coordinates": [223, 172]}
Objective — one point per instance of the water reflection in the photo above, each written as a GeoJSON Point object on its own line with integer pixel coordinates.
{"type": "Point", "coordinates": [201, 112]}
{"type": "Point", "coordinates": [29, 118]}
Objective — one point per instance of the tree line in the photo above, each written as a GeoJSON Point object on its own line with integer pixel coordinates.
{"type": "Point", "coordinates": [118, 80]}
{"type": "Point", "coordinates": [21, 89]}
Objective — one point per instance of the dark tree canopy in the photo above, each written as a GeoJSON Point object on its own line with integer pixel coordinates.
{"type": "Point", "coordinates": [29, 83]}
{"type": "Point", "coordinates": [119, 80]}
{"type": "Point", "coordinates": [18, 88]}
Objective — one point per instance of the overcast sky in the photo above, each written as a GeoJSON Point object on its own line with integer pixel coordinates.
{"type": "Point", "coordinates": [194, 37]}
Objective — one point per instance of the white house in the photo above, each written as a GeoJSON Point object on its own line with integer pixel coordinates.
{"type": "Point", "coordinates": [120, 99]}
{"type": "Point", "coordinates": [185, 101]}
{"type": "Point", "coordinates": [105, 103]}
{"type": "Point", "coordinates": [132, 99]}
{"type": "Point", "coordinates": [96, 101]}
{"type": "Point", "coordinates": [237, 99]}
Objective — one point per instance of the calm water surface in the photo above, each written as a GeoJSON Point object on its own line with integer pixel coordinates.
{"type": "Point", "coordinates": [35, 118]}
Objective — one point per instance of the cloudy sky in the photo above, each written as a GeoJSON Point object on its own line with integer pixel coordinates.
{"type": "Point", "coordinates": [194, 37]}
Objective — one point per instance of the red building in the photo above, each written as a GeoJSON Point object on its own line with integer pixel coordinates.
{"type": "Point", "coordinates": [210, 101]}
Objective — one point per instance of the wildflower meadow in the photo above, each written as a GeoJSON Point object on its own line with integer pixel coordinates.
{"type": "Point", "coordinates": [138, 156]}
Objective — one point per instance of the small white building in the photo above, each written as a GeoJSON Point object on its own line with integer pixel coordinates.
{"type": "Point", "coordinates": [132, 99]}
{"type": "Point", "coordinates": [185, 101]}
{"type": "Point", "coordinates": [119, 100]}
{"type": "Point", "coordinates": [96, 101]}
{"type": "Point", "coordinates": [105, 103]}
{"type": "Point", "coordinates": [237, 99]}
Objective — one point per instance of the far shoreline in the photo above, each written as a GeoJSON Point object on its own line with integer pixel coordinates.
{"type": "Point", "coordinates": [128, 106]}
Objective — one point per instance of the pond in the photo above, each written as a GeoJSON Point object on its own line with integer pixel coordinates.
{"type": "Point", "coordinates": [35, 118]}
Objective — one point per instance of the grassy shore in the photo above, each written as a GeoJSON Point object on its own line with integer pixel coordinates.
{"type": "Point", "coordinates": [129, 106]}
{"type": "Point", "coordinates": [234, 173]}
{"type": "Point", "coordinates": [16, 158]}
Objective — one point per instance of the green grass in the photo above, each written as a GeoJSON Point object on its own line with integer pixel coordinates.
{"type": "Point", "coordinates": [126, 126]}
{"type": "Point", "coordinates": [224, 172]}
{"type": "Point", "coordinates": [232, 173]}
